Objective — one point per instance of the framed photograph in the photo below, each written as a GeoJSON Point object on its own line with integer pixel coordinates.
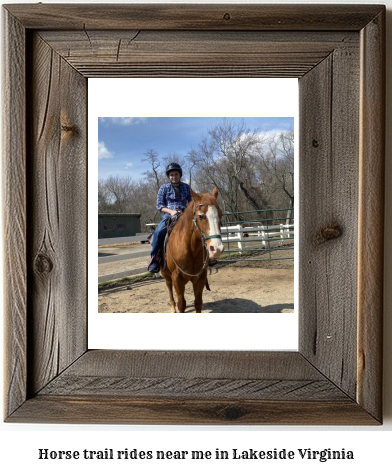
{"type": "Point", "coordinates": [180, 128]}
{"type": "Point", "coordinates": [337, 52]}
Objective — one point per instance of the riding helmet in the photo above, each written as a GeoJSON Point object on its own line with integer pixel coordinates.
{"type": "Point", "coordinates": [173, 167]}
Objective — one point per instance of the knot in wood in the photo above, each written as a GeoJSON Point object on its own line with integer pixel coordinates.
{"type": "Point", "coordinates": [69, 128]}
{"type": "Point", "coordinates": [43, 264]}
{"type": "Point", "coordinates": [328, 233]}
{"type": "Point", "coordinates": [232, 412]}
{"type": "Point", "coordinates": [227, 16]}
{"type": "Point", "coordinates": [315, 143]}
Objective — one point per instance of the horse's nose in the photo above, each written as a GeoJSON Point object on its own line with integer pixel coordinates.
{"type": "Point", "coordinates": [215, 250]}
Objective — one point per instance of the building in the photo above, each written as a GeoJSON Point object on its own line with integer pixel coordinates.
{"type": "Point", "coordinates": [118, 225]}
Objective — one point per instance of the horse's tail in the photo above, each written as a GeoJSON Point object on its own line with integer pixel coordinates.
{"type": "Point", "coordinates": [207, 285]}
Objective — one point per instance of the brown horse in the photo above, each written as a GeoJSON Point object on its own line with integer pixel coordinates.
{"type": "Point", "coordinates": [194, 240]}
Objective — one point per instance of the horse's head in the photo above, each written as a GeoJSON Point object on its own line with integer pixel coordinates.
{"type": "Point", "coordinates": [207, 218]}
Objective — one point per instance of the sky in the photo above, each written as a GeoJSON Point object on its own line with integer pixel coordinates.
{"type": "Point", "coordinates": [123, 141]}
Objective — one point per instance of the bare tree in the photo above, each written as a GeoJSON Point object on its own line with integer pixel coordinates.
{"type": "Point", "coordinates": [252, 170]}
{"type": "Point", "coordinates": [277, 166]}
{"type": "Point", "coordinates": [154, 175]}
{"type": "Point", "coordinates": [225, 157]}
{"type": "Point", "coordinates": [120, 189]}
{"type": "Point", "coordinates": [104, 198]}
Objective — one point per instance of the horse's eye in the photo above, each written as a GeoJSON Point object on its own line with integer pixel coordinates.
{"type": "Point", "coordinates": [202, 216]}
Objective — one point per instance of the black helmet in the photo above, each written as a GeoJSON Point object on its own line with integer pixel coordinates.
{"type": "Point", "coordinates": [173, 167]}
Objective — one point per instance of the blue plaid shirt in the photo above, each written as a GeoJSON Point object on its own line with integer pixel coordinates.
{"type": "Point", "coordinates": [167, 197]}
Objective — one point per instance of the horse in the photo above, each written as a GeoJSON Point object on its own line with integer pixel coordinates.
{"type": "Point", "coordinates": [194, 240]}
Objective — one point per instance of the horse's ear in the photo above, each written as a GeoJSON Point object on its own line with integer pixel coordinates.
{"type": "Point", "coordinates": [194, 195]}
{"type": "Point", "coordinates": [215, 192]}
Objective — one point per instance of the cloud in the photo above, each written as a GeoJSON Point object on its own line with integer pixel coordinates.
{"type": "Point", "coordinates": [103, 152]}
{"type": "Point", "coordinates": [124, 121]}
{"type": "Point", "coordinates": [129, 165]}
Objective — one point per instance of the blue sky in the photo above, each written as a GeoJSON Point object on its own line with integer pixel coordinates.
{"type": "Point", "coordinates": [122, 141]}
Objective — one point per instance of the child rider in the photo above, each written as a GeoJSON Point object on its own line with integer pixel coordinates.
{"type": "Point", "coordinates": [172, 196]}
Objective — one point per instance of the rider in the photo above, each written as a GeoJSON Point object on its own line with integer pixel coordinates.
{"type": "Point", "coordinates": [172, 196]}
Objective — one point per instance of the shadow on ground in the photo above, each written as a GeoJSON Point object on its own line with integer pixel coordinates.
{"type": "Point", "coordinates": [241, 305]}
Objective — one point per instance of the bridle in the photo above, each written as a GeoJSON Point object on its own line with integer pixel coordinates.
{"type": "Point", "coordinates": [204, 238]}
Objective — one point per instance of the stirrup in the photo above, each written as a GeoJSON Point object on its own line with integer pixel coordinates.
{"type": "Point", "coordinates": [155, 262]}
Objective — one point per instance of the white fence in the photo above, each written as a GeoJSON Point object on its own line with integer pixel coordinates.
{"type": "Point", "coordinates": [276, 234]}
{"type": "Point", "coordinates": [244, 237]}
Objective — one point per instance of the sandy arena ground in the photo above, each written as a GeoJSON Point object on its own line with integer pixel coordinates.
{"type": "Point", "coordinates": [242, 287]}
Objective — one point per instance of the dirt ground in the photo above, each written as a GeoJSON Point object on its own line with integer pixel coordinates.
{"type": "Point", "coordinates": [242, 287]}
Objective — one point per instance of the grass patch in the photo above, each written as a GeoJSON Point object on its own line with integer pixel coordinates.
{"type": "Point", "coordinates": [119, 281]}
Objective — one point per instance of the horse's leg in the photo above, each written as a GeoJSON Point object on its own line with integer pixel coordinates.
{"type": "Point", "coordinates": [179, 286]}
{"type": "Point", "coordinates": [198, 287]}
{"type": "Point", "coordinates": [169, 285]}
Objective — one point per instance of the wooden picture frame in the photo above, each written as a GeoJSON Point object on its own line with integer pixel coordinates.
{"type": "Point", "coordinates": [338, 54]}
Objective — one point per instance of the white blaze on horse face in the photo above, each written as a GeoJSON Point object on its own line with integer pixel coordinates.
{"type": "Point", "coordinates": [215, 246]}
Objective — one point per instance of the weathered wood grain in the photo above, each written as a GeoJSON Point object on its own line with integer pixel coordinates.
{"type": "Point", "coordinates": [187, 387]}
{"type": "Point", "coordinates": [206, 374]}
{"type": "Point", "coordinates": [329, 200]}
{"type": "Point", "coordinates": [208, 364]}
{"type": "Point", "coordinates": [335, 378]}
{"type": "Point", "coordinates": [127, 53]}
{"type": "Point", "coordinates": [14, 209]}
{"type": "Point", "coordinates": [194, 17]}
{"type": "Point", "coordinates": [371, 215]}
{"type": "Point", "coordinates": [193, 387]}
{"type": "Point", "coordinates": [57, 210]}
{"type": "Point", "coordinates": [155, 411]}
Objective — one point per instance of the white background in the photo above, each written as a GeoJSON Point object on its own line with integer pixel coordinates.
{"type": "Point", "coordinates": [19, 444]}
{"type": "Point", "coordinates": [172, 98]}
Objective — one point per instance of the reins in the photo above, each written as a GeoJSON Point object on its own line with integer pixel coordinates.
{"type": "Point", "coordinates": [204, 238]}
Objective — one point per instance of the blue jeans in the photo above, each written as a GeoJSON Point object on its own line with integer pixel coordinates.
{"type": "Point", "coordinates": [159, 235]}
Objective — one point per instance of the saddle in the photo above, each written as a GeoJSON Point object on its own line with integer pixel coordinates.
{"type": "Point", "coordinates": [170, 223]}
